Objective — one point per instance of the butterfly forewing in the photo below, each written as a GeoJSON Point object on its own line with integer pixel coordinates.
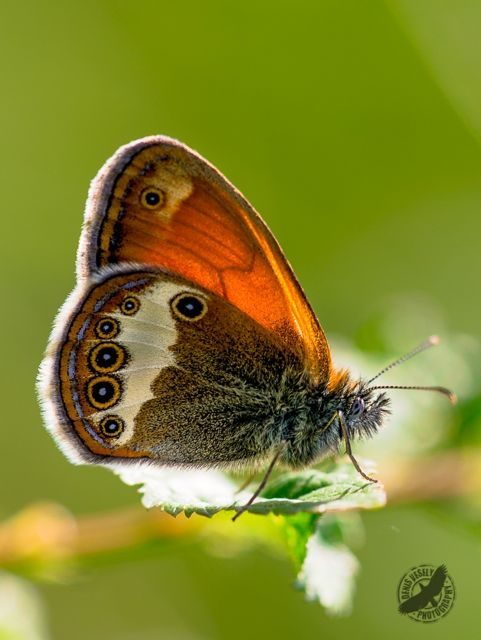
{"type": "Point", "coordinates": [158, 203]}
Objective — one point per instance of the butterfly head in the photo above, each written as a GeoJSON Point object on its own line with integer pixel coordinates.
{"type": "Point", "coordinates": [364, 409]}
{"type": "Point", "coordinates": [361, 408]}
{"type": "Point", "coordinates": [357, 409]}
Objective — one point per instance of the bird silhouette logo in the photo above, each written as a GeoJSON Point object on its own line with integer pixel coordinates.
{"type": "Point", "coordinates": [426, 593]}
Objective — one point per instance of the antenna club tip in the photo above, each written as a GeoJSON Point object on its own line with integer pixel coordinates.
{"type": "Point", "coordinates": [453, 398]}
{"type": "Point", "coordinates": [434, 340]}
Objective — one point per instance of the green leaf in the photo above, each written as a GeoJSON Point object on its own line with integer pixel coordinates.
{"type": "Point", "coordinates": [313, 506]}
{"type": "Point", "coordinates": [209, 492]}
{"type": "Point", "coordinates": [296, 531]}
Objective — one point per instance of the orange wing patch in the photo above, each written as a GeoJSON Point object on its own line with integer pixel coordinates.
{"type": "Point", "coordinates": [156, 202]}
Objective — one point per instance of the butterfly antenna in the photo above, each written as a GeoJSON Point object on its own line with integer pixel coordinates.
{"type": "Point", "coordinates": [432, 341]}
{"type": "Point", "coordinates": [445, 392]}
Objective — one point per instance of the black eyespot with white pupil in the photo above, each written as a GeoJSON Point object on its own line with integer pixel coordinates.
{"type": "Point", "coordinates": [112, 426]}
{"type": "Point", "coordinates": [107, 357]}
{"type": "Point", "coordinates": [107, 328]}
{"type": "Point", "coordinates": [130, 306]}
{"type": "Point", "coordinates": [187, 306]}
{"type": "Point", "coordinates": [152, 198]}
{"type": "Point", "coordinates": [103, 392]}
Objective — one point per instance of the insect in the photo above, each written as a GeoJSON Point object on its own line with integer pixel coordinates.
{"type": "Point", "coordinates": [188, 340]}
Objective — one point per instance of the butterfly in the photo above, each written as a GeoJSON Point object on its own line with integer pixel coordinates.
{"type": "Point", "coordinates": [188, 340]}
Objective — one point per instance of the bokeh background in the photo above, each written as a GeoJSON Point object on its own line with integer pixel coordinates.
{"type": "Point", "coordinates": [354, 128]}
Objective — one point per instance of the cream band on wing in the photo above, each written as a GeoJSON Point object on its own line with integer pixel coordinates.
{"type": "Point", "coordinates": [147, 338]}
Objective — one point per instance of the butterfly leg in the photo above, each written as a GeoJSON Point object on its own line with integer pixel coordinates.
{"type": "Point", "coordinates": [345, 434]}
{"type": "Point", "coordinates": [262, 484]}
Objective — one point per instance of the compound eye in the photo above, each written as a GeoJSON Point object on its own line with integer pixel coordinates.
{"type": "Point", "coordinates": [358, 407]}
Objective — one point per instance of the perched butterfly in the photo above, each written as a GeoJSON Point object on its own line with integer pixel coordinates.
{"type": "Point", "coordinates": [188, 340]}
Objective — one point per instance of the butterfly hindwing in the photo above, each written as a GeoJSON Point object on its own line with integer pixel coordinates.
{"type": "Point", "coordinates": [146, 365]}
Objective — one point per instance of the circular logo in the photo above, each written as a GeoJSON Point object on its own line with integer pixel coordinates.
{"type": "Point", "coordinates": [426, 593]}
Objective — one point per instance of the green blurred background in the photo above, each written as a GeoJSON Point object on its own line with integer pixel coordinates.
{"type": "Point", "coordinates": [354, 128]}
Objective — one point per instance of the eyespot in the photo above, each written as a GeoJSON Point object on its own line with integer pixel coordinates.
{"type": "Point", "coordinates": [107, 357]}
{"type": "Point", "coordinates": [357, 407]}
{"type": "Point", "coordinates": [103, 392]}
{"type": "Point", "coordinates": [187, 306]}
{"type": "Point", "coordinates": [107, 328]}
{"type": "Point", "coordinates": [130, 306]}
{"type": "Point", "coordinates": [112, 426]}
{"type": "Point", "coordinates": [152, 198]}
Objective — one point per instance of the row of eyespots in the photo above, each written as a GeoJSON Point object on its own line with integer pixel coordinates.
{"type": "Point", "coordinates": [105, 391]}
{"type": "Point", "coordinates": [109, 328]}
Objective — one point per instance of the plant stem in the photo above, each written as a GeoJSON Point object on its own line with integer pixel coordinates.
{"type": "Point", "coordinates": [445, 475]}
